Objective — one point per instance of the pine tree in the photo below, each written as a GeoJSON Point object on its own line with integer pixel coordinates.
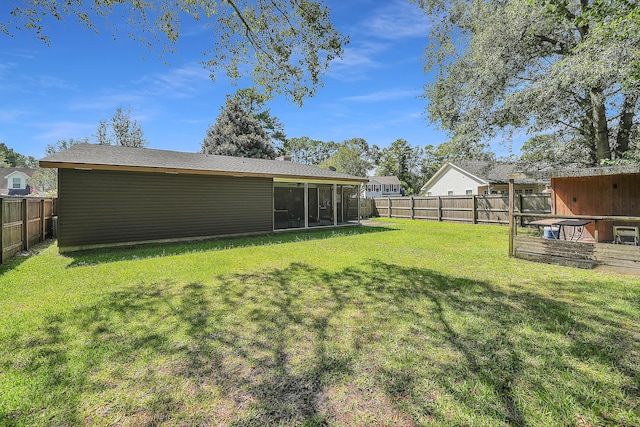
{"type": "Point", "coordinates": [237, 133]}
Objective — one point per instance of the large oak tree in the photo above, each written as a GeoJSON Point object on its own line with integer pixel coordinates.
{"type": "Point", "coordinates": [284, 45]}
{"type": "Point", "coordinates": [568, 67]}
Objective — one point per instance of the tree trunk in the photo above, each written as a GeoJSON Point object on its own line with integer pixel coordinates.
{"type": "Point", "coordinates": [600, 127]}
{"type": "Point", "coordinates": [626, 123]}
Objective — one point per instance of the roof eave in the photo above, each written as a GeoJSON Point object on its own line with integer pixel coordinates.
{"type": "Point", "coordinates": [167, 170]}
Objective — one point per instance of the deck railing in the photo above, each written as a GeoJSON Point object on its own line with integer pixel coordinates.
{"type": "Point", "coordinates": [598, 220]}
{"type": "Point", "coordinates": [595, 250]}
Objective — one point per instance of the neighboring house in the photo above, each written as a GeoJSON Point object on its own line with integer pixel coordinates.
{"type": "Point", "coordinates": [474, 177]}
{"type": "Point", "coordinates": [383, 186]}
{"type": "Point", "coordinates": [13, 181]}
{"type": "Point", "coordinates": [110, 195]}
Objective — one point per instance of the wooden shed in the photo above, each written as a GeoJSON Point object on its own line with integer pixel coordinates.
{"type": "Point", "coordinates": [605, 199]}
{"type": "Point", "coordinates": [110, 196]}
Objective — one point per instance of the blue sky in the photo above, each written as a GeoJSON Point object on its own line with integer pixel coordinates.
{"type": "Point", "coordinates": [63, 90]}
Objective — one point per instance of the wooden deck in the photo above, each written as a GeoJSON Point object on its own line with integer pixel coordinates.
{"type": "Point", "coordinates": [577, 254]}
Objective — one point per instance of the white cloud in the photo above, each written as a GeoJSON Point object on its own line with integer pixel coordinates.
{"type": "Point", "coordinates": [20, 53]}
{"type": "Point", "coordinates": [50, 82]}
{"type": "Point", "coordinates": [179, 82]}
{"type": "Point", "coordinates": [397, 19]}
{"type": "Point", "coordinates": [357, 61]}
{"type": "Point", "coordinates": [385, 95]}
{"type": "Point", "coordinates": [12, 115]}
{"type": "Point", "coordinates": [54, 131]}
{"type": "Point", "coordinates": [107, 102]}
{"type": "Point", "coordinates": [143, 94]}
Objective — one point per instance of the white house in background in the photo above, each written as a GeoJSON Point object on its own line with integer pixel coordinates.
{"type": "Point", "coordinates": [383, 186]}
{"type": "Point", "coordinates": [13, 181]}
{"type": "Point", "coordinates": [477, 178]}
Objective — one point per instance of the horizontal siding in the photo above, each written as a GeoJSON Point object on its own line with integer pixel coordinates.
{"type": "Point", "coordinates": [103, 207]}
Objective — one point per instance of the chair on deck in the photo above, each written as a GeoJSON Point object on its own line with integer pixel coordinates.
{"type": "Point", "coordinates": [624, 235]}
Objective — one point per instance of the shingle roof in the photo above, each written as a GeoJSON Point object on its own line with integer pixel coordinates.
{"type": "Point", "coordinates": [492, 172]}
{"type": "Point", "coordinates": [150, 160]}
{"type": "Point", "coordinates": [387, 180]}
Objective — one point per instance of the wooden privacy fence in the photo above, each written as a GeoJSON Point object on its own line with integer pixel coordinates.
{"type": "Point", "coordinates": [476, 209]}
{"type": "Point", "coordinates": [25, 221]}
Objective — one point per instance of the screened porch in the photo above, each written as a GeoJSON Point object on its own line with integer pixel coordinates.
{"type": "Point", "coordinates": [314, 204]}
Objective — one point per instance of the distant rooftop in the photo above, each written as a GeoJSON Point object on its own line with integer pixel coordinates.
{"type": "Point", "coordinates": [577, 172]}
{"type": "Point", "coordinates": [107, 157]}
{"type": "Point", "coordinates": [386, 180]}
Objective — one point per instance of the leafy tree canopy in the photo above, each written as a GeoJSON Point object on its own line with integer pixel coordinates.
{"type": "Point", "coordinates": [9, 158]}
{"type": "Point", "coordinates": [567, 67]}
{"type": "Point", "coordinates": [237, 133]}
{"type": "Point", "coordinates": [284, 45]}
{"type": "Point", "coordinates": [309, 151]}
{"type": "Point", "coordinates": [46, 179]}
{"type": "Point", "coordinates": [122, 130]}
{"type": "Point", "coordinates": [404, 161]}
{"type": "Point", "coordinates": [353, 156]}
{"type": "Point", "coordinates": [64, 144]}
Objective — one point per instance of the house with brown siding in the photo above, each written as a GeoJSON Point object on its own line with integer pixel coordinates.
{"type": "Point", "coordinates": [111, 196]}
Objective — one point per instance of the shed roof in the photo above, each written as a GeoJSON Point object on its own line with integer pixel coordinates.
{"type": "Point", "coordinates": [107, 157]}
{"type": "Point", "coordinates": [576, 172]}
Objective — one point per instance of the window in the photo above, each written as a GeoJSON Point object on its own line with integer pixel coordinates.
{"type": "Point", "coordinates": [450, 193]}
{"type": "Point", "coordinates": [528, 191]}
{"type": "Point", "coordinates": [17, 183]}
{"type": "Point", "coordinates": [468, 192]}
{"type": "Point", "coordinates": [428, 193]}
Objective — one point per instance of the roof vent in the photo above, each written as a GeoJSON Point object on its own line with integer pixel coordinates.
{"type": "Point", "coordinates": [332, 168]}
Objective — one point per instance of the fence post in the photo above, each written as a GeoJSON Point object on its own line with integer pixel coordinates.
{"type": "Point", "coordinates": [43, 222]}
{"type": "Point", "coordinates": [389, 206]}
{"type": "Point", "coordinates": [521, 209]}
{"type": "Point", "coordinates": [25, 225]}
{"type": "Point", "coordinates": [1, 230]}
{"type": "Point", "coordinates": [512, 223]}
{"type": "Point", "coordinates": [475, 208]}
{"type": "Point", "coordinates": [439, 208]}
{"type": "Point", "coordinates": [412, 208]}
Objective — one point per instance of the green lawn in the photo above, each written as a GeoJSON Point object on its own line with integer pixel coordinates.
{"type": "Point", "coordinates": [407, 323]}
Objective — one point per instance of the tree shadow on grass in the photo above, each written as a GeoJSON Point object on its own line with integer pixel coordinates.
{"type": "Point", "coordinates": [16, 260]}
{"type": "Point", "coordinates": [114, 254]}
{"type": "Point", "coordinates": [376, 344]}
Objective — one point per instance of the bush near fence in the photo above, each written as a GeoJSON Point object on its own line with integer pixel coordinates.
{"type": "Point", "coordinates": [476, 209]}
{"type": "Point", "coordinates": [24, 221]}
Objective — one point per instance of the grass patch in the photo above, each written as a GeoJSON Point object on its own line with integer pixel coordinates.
{"type": "Point", "coordinates": [411, 323]}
